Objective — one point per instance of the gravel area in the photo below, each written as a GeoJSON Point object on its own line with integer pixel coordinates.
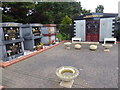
{"type": "Point", "coordinates": [98, 69]}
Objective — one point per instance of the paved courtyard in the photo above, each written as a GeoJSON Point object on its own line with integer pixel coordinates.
{"type": "Point", "coordinates": [97, 69]}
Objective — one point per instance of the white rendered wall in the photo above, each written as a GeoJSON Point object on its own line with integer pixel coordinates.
{"type": "Point", "coordinates": [80, 29]}
{"type": "Point", "coordinates": [106, 29]}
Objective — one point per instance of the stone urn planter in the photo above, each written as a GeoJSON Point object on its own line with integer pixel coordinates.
{"type": "Point", "coordinates": [93, 47]}
{"type": "Point", "coordinates": [67, 45]}
{"type": "Point", "coordinates": [77, 46]}
{"type": "Point", "coordinates": [67, 74]}
{"type": "Point", "coordinates": [107, 47]}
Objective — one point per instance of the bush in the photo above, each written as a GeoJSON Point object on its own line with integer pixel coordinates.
{"type": "Point", "coordinates": [61, 37]}
{"type": "Point", "coordinates": [65, 28]}
{"type": "Point", "coordinates": [117, 34]}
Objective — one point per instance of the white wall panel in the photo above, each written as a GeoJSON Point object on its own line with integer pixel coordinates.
{"type": "Point", "coordinates": [80, 29]}
{"type": "Point", "coordinates": [106, 25]}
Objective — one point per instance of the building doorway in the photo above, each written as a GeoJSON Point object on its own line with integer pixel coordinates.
{"type": "Point", "coordinates": [92, 30]}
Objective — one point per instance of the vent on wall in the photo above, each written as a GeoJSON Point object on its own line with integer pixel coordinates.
{"type": "Point", "coordinates": [74, 27]}
{"type": "Point", "coordinates": [113, 27]}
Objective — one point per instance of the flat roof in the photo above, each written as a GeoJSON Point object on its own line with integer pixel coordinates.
{"type": "Point", "coordinates": [98, 69]}
{"type": "Point", "coordinates": [95, 15]}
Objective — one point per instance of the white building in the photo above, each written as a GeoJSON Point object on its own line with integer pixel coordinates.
{"type": "Point", "coordinates": [94, 26]}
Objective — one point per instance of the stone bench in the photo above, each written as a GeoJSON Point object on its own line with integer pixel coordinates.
{"type": "Point", "coordinates": [109, 39]}
{"type": "Point", "coordinates": [75, 39]}
{"type": "Point", "coordinates": [90, 43]}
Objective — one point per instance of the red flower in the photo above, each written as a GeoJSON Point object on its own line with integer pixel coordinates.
{"type": "Point", "coordinates": [52, 41]}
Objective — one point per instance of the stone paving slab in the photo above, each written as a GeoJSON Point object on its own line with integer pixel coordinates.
{"type": "Point", "coordinates": [98, 69]}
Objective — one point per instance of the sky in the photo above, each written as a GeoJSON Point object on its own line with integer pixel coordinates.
{"type": "Point", "coordinates": [110, 6]}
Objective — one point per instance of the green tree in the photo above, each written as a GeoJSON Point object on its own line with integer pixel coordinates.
{"type": "Point", "coordinates": [99, 9]}
{"type": "Point", "coordinates": [65, 27]}
{"type": "Point", "coordinates": [84, 11]}
{"type": "Point", "coordinates": [16, 11]}
{"type": "Point", "coordinates": [42, 12]}
{"type": "Point", "coordinates": [117, 34]}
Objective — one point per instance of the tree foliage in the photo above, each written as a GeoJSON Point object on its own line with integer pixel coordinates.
{"type": "Point", "coordinates": [99, 9]}
{"type": "Point", "coordinates": [117, 34]}
{"type": "Point", "coordinates": [41, 12]}
{"type": "Point", "coordinates": [16, 11]}
{"type": "Point", "coordinates": [65, 27]}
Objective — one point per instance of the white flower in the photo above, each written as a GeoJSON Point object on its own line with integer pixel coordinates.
{"type": "Point", "coordinates": [34, 46]}
{"type": "Point", "coordinates": [9, 51]}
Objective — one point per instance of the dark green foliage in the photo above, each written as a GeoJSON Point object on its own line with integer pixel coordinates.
{"type": "Point", "coordinates": [42, 12]}
{"type": "Point", "coordinates": [117, 33]}
{"type": "Point", "coordinates": [99, 9]}
{"type": "Point", "coordinates": [65, 27]}
{"type": "Point", "coordinates": [84, 11]}
{"type": "Point", "coordinates": [61, 36]}
{"type": "Point", "coordinates": [8, 18]}
{"type": "Point", "coordinates": [18, 11]}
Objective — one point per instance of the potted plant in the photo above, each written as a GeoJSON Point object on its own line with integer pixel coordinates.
{"type": "Point", "coordinates": [9, 52]}
{"type": "Point", "coordinates": [53, 42]}
{"type": "Point", "coordinates": [41, 45]}
{"type": "Point", "coordinates": [37, 47]}
{"type": "Point", "coordinates": [34, 47]}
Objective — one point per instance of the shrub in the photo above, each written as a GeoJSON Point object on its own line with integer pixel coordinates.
{"type": "Point", "coordinates": [65, 28]}
{"type": "Point", "coordinates": [117, 35]}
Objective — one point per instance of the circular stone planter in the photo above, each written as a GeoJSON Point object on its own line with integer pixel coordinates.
{"type": "Point", "coordinates": [67, 44]}
{"type": "Point", "coordinates": [67, 73]}
{"type": "Point", "coordinates": [93, 47]}
{"type": "Point", "coordinates": [77, 46]}
{"type": "Point", "coordinates": [107, 47]}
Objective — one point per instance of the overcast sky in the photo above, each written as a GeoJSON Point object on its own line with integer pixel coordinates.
{"type": "Point", "coordinates": [110, 6]}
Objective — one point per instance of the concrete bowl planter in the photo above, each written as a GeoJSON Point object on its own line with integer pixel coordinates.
{"type": "Point", "coordinates": [78, 46]}
{"type": "Point", "coordinates": [67, 45]}
{"type": "Point", "coordinates": [67, 73]}
{"type": "Point", "coordinates": [93, 47]}
{"type": "Point", "coordinates": [107, 47]}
